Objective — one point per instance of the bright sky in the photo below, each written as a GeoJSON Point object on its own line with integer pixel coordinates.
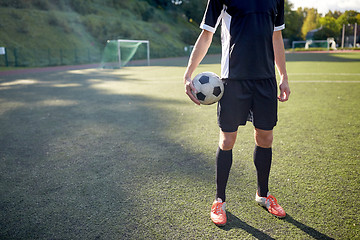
{"type": "Point", "coordinates": [323, 6]}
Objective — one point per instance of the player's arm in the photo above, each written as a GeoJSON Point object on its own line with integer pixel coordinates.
{"type": "Point", "coordinates": [199, 51]}
{"type": "Point", "coordinates": [280, 63]}
{"type": "Point", "coordinates": [279, 52]}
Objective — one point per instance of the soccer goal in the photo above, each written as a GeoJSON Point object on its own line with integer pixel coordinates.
{"type": "Point", "coordinates": [118, 53]}
{"type": "Point", "coordinates": [329, 44]}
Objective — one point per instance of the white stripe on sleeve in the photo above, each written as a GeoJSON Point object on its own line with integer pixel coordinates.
{"type": "Point", "coordinates": [279, 28]}
{"type": "Point", "coordinates": [207, 27]}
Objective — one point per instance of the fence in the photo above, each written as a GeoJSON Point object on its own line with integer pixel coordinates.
{"type": "Point", "coordinates": [23, 57]}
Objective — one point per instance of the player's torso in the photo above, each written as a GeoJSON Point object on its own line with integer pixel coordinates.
{"type": "Point", "coordinates": [249, 25]}
{"type": "Point", "coordinates": [243, 7]}
{"type": "Point", "coordinates": [252, 17]}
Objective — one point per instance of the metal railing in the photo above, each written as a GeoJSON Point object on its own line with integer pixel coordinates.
{"type": "Point", "coordinates": [22, 57]}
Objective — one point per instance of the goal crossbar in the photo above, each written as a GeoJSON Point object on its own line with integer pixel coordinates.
{"type": "Point", "coordinates": [147, 42]}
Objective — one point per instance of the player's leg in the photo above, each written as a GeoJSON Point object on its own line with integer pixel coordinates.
{"type": "Point", "coordinates": [262, 159]}
{"type": "Point", "coordinates": [265, 118]}
{"type": "Point", "coordinates": [224, 160]}
{"type": "Point", "coordinates": [232, 112]}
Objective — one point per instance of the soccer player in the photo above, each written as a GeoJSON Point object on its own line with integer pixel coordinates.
{"type": "Point", "coordinates": [252, 46]}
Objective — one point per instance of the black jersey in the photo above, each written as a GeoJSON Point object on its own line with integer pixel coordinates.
{"type": "Point", "coordinates": [247, 30]}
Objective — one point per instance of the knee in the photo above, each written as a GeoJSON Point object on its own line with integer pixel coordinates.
{"type": "Point", "coordinates": [226, 145]}
{"type": "Point", "coordinates": [263, 138]}
{"type": "Point", "coordinates": [227, 141]}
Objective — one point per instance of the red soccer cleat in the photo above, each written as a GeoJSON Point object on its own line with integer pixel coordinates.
{"type": "Point", "coordinates": [218, 214]}
{"type": "Point", "coordinates": [270, 203]}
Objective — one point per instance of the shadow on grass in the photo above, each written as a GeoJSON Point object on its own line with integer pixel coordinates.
{"type": "Point", "coordinates": [76, 160]}
{"type": "Point", "coordinates": [235, 222]}
{"type": "Point", "coordinates": [308, 230]}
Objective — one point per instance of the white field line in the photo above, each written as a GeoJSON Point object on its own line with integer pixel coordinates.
{"type": "Point", "coordinates": [337, 74]}
{"type": "Point", "coordinates": [323, 81]}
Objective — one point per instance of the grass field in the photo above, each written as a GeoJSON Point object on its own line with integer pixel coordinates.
{"type": "Point", "coordinates": [123, 154]}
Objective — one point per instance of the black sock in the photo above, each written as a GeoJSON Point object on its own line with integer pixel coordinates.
{"type": "Point", "coordinates": [223, 165]}
{"type": "Point", "coordinates": [262, 161]}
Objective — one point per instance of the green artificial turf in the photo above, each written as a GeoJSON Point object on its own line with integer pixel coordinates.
{"type": "Point", "coordinates": [124, 154]}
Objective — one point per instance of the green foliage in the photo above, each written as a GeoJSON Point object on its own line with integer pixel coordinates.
{"type": "Point", "coordinates": [16, 3]}
{"type": "Point", "coordinates": [83, 6]}
{"type": "Point", "coordinates": [293, 21]}
{"type": "Point", "coordinates": [335, 14]}
{"type": "Point", "coordinates": [194, 10]}
{"type": "Point", "coordinates": [330, 23]}
{"type": "Point", "coordinates": [329, 28]}
{"type": "Point", "coordinates": [41, 4]}
{"type": "Point", "coordinates": [348, 17]}
{"type": "Point", "coordinates": [60, 23]}
{"type": "Point", "coordinates": [301, 21]}
{"type": "Point", "coordinates": [71, 24]}
{"type": "Point", "coordinates": [310, 22]}
{"type": "Point", "coordinates": [160, 3]}
{"type": "Point", "coordinates": [188, 36]}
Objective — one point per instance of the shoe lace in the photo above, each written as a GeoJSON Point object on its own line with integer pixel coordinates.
{"type": "Point", "coordinates": [217, 208]}
{"type": "Point", "coordinates": [271, 200]}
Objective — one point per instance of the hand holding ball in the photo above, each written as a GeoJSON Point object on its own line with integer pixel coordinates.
{"type": "Point", "coordinates": [209, 87]}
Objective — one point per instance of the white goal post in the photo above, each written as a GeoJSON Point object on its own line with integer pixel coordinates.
{"type": "Point", "coordinates": [134, 41]}
{"type": "Point", "coordinates": [117, 53]}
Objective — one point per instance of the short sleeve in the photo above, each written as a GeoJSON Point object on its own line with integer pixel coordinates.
{"type": "Point", "coordinates": [280, 20]}
{"type": "Point", "coordinates": [212, 15]}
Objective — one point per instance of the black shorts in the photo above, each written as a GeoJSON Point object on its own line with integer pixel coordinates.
{"type": "Point", "coordinates": [248, 100]}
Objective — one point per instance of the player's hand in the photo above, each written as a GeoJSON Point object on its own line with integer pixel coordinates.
{"type": "Point", "coordinates": [284, 90]}
{"type": "Point", "coordinates": [190, 87]}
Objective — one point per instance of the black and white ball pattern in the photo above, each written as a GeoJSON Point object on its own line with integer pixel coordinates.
{"type": "Point", "coordinates": [209, 86]}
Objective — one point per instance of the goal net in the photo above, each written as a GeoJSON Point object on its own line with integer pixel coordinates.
{"type": "Point", "coordinates": [118, 53]}
{"type": "Point", "coordinates": [329, 44]}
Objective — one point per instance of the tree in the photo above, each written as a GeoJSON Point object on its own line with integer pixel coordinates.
{"type": "Point", "coordinates": [335, 14]}
{"type": "Point", "coordinates": [329, 28]}
{"type": "Point", "coordinates": [293, 22]}
{"type": "Point", "coordinates": [348, 17]}
{"type": "Point", "coordinates": [310, 22]}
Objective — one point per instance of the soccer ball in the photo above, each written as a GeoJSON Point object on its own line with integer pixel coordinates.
{"type": "Point", "coordinates": [209, 86]}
